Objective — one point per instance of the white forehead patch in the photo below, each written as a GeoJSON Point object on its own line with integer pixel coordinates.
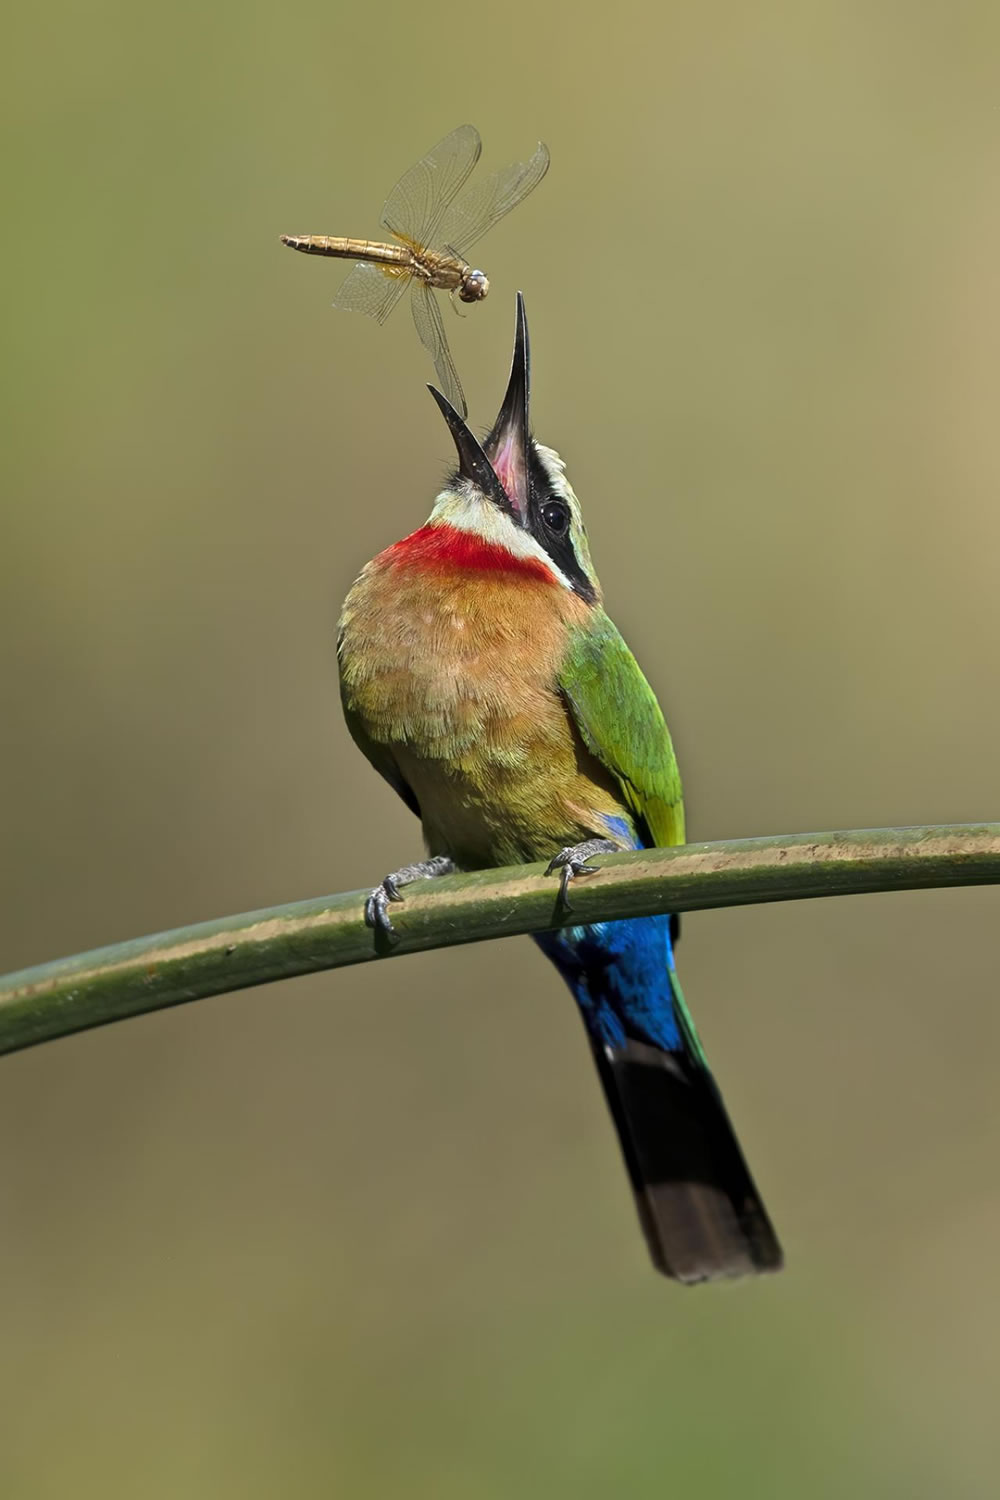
{"type": "Point", "coordinates": [554, 468]}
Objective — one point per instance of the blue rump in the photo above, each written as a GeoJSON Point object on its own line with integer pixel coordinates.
{"type": "Point", "coordinates": [618, 972]}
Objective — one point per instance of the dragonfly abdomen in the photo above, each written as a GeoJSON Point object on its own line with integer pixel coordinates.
{"type": "Point", "coordinates": [347, 249]}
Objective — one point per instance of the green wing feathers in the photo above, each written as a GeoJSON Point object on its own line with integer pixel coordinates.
{"type": "Point", "coordinates": [621, 724]}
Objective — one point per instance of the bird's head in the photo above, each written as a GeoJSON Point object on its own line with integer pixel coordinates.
{"type": "Point", "coordinates": [511, 492]}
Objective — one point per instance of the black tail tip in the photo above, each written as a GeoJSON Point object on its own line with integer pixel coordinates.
{"type": "Point", "coordinates": [700, 1210]}
{"type": "Point", "coordinates": [697, 1233]}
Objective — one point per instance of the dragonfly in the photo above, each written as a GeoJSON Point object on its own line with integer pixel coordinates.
{"type": "Point", "coordinates": [434, 234]}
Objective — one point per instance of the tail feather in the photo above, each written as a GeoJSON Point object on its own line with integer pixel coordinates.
{"type": "Point", "coordinates": [701, 1213]}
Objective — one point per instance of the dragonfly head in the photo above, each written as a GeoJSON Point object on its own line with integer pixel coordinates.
{"type": "Point", "coordinates": [475, 285]}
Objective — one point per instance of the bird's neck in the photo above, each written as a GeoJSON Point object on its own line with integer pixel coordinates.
{"type": "Point", "coordinates": [443, 550]}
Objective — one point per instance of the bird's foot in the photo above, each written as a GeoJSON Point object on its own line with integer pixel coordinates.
{"type": "Point", "coordinates": [377, 905]}
{"type": "Point", "coordinates": [572, 861]}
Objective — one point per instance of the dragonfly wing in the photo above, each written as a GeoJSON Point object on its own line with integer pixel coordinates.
{"type": "Point", "coordinates": [367, 289]}
{"type": "Point", "coordinates": [430, 327]}
{"type": "Point", "coordinates": [483, 206]}
{"type": "Point", "coordinates": [417, 203]}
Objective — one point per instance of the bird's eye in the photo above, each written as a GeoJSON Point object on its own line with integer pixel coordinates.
{"type": "Point", "coordinates": [556, 516]}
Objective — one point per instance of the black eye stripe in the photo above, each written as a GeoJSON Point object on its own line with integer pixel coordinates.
{"type": "Point", "coordinates": [543, 508]}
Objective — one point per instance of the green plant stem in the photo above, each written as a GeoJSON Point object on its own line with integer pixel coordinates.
{"type": "Point", "coordinates": [232, 953]}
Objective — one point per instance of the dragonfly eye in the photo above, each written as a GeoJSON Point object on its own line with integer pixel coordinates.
{"type": "Point", "coordinates": [475, 285]}
{"type": "Point", "coordinates": [556, 516]}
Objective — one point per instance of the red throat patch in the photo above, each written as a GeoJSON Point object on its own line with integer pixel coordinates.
{"type": "Point", "coordinates": [445, 549]}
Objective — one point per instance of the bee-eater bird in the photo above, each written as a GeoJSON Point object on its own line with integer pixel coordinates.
{"type": "Point", "coordinates": [483, 680]}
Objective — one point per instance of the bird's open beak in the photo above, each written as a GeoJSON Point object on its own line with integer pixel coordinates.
{"type": "Point", "coordinates": [472, 461]}
{"type": "Point", "coordinates": [499, 467]}
{"type": "Point", "coordinates": [508, 443]}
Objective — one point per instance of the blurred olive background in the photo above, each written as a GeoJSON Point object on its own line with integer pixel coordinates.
{"type": "Point", "coordinates": [367, 1234]}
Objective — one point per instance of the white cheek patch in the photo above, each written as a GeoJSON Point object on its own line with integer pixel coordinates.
{"type": "Point", "coordinates": [467, 510]}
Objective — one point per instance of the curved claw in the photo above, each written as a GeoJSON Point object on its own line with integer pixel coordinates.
{"type": "Point", "coordinates": [377, 904]}
{"type": "Point", "coordinates": [572, 861]}
{"type": "Point", "coordinates": [376, 908]}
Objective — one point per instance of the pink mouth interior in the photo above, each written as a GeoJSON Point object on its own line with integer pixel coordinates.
{"type": "Point", "coordinates": [507, 470]}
